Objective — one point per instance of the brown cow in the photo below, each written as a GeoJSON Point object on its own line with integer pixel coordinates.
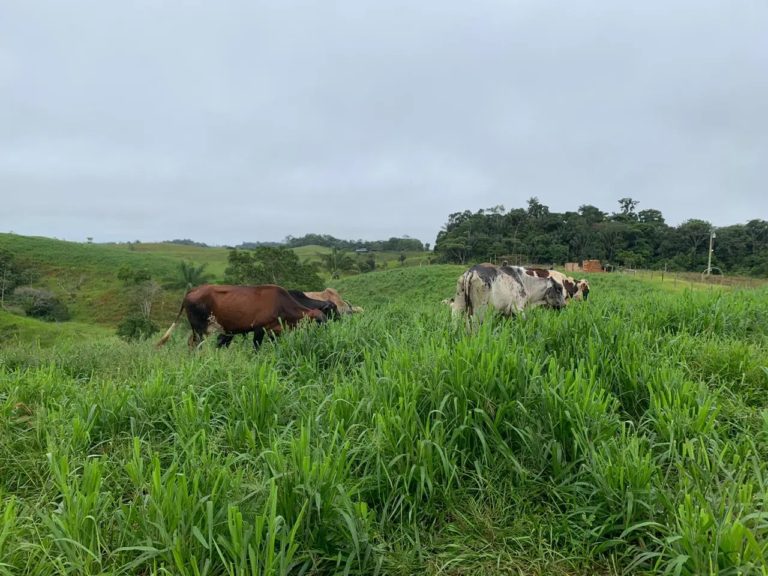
{"type": "Point", "coordinates": [229, 310]}
{"type": "Point", "coordinates": [330, 295]}
{"type": "Point", "coordinates": [574, 290]}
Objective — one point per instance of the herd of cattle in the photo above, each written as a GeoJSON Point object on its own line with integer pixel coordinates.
{"type": "Point", "coordinates": [228, 310]}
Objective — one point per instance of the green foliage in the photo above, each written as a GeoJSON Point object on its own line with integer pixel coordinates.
{"type": "Point", "coordinates": [14, 273]}
{"type": "Point", "coordinates": [336, 262]}
{"type": "Point", "coordinates": [40, 304]}
{"type": "Point", "coordinates": [636, 239]}
{"type": "Point", "coordinates": [131, 276]}
{"type": "Point", "coordinates": [404, 244]}
{"type": "Point", "coordinates": [266, 265]}
{"type": "Point", "coordinates": [136, 326]}
{"type": "Point", "coordinates": [189, 275]}
{"type": "Point", "coordinates": [627, 434]}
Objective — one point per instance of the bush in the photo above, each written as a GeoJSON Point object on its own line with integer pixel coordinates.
{"type": "Point", "coordinates": [129, 276]}
{"type": "Point", "coordinates": [136, 327]}
{"type": "Point", "coordinates": [41, 304]}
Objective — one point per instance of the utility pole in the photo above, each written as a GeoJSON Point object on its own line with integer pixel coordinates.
{"type": "Point", "coordinates": [712, 236]}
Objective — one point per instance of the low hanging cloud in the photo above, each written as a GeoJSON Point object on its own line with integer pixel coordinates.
{"type": "Point", "coordinates": [247, 120]}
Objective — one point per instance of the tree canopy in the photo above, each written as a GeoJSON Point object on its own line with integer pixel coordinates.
{"type": "Point", "coordinates": [266, 265]}
{"type": "Point", "coordinates": [536, 235]}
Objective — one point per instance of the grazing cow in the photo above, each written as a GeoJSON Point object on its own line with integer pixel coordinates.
{"type": "Point", "coordinates": [575, 290]}
{"type": "Point", "coordinates": [228, 310]}
{"type": "Point", "coordinates": [330, 295]}
{"type": "Point", "coordinates": [508, 288]}
{"type": "Point", "coordinates": [327, 308]}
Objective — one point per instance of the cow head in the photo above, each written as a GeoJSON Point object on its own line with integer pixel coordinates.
{"type": "Point", "coordinates": [330, 310]}
{"type": "Point", "coordinates": [447, 301]}
{"type": "Point", "coordinates": [317, 316]}
{"type": "Point", "coordinates": [583, 289]}
{"type": "Point", "coordinates": [555, 295]}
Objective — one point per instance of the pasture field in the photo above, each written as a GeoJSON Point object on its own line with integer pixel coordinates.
{"type": "Point", "coordinates": [626, 434]}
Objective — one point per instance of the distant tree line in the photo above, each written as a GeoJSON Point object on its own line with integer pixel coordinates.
{"type": "Point", "coordinates": [626, 237]}
{"type": "Point", "coordinates": [251, 245]}
{"type": "Point", "coordinates": [403, 244]}
{"type": "Point", "coordinates": [186, 242]}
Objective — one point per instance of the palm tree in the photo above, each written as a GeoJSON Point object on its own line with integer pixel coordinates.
{"type": "Point", "coordinates": [189, 275]}
{"type": "Point", "coordinates": [336, 262]}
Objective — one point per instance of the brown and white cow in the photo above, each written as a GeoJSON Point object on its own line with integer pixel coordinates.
{"type": "Point", "coordinates": [575, 289]}
{"type": "Point", "coordinates": [508, 288]}
{"type": "Point", "coordinates": [330, 295]}
{"type": "Point", "coordinates": [228, 310]}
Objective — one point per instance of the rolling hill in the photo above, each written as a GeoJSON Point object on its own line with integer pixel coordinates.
{"type": "Point", "coordinates": [102, 300]}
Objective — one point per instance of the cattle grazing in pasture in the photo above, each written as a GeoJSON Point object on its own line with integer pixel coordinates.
{"type": "Point", "coordinates": [326, 307]}
{"type": "Point", "coordinates": [574, 289]}
{"type": "Point", "coordinates": [508, 288]}
{"type": "Point", "coordinates": [228, 310]}
{"type": "Point", "coordinates": [330, 295]}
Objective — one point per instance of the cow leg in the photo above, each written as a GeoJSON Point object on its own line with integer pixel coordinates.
{"type": "Point", "coordinates": [194, 339]}
{"type": "Point", "coordinates": [258, 338]}
{"type": "Point", "coordinates": [224, 340]}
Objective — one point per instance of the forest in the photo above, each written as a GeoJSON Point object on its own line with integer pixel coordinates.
{"type": "Point", "coordinates": [628, 237]}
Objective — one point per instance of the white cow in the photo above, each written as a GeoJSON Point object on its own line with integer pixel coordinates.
{"type": "Point", "coordinates": [508, 288]}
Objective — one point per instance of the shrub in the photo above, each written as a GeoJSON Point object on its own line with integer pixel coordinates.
{"type": "Point", "coordinates": [41, 304]}
{"type": "Point", "coordinates": [136, 327]}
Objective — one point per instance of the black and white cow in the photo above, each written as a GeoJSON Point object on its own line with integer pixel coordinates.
{"type": "Point", "coordinates": [574, 289]}
{"type": "Point", "coordinates": [508, 288]}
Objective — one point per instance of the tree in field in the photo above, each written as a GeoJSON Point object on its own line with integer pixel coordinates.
{"type": "Point", "coordinates": [72, 283]}
{"type": "Point", "coordinates": [267, 265]}
{"type": "Point", "coordinates": [188, 275]}
{"type": "Point", "coordinates": [145, 295]}
{"type": "Point", "coordinates": [336, 262]}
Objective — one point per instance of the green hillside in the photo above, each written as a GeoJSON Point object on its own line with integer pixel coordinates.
{"type": "Point", "coordinates": [102, 300]}
{"type": "Point", "coordinates": [216, 258]}
{"type": "Point", "coordinates": [29, 330]}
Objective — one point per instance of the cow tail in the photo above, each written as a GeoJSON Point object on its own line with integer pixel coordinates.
{"type": "Point", "coordinates": [167, 335]}
{"type": "Point", "coordinates": [467, 299]}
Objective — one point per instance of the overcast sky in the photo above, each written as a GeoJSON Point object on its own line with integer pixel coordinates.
{"type": "Point", "coordinates": [234, 121]}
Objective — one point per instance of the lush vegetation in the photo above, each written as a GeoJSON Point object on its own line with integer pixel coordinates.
{"type": "Point", "coordinates": [628, 433]}
{"type": "Point", "coordinates": [629, 237]}
{"type": "Point", "coordinates": [404, 244]}
{"type": "Point", "coordinates": [265, 265]}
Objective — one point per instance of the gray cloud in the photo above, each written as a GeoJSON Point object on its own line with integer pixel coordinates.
{"type": "Point", "coordinates": [249, 120]}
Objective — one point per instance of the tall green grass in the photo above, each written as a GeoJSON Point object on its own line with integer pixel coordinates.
{"type": "Point", "coordinates": [625, 434]}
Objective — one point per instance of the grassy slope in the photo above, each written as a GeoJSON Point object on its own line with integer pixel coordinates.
{"type": "Point", "coordinates": [28, 330]}
{"type": "Point", "coordinates": [102, 298]}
